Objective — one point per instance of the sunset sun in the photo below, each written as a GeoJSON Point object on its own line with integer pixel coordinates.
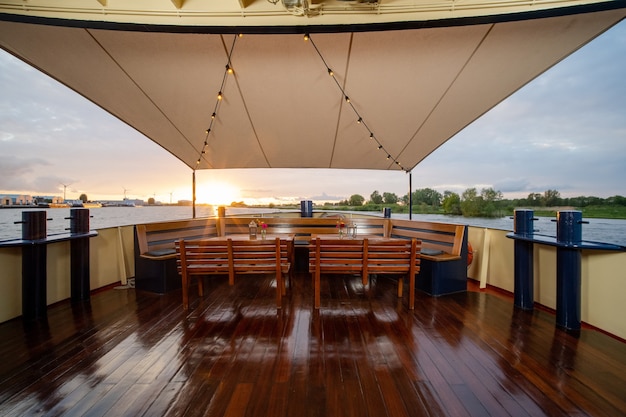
{"type": "Point", "coordinates": [217, 193]}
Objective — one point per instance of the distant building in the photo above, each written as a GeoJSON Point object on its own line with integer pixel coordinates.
{"type": "Point", "coordinates": [15, 199]}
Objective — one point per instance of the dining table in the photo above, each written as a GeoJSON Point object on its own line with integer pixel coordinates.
{"type": "Point", "coordinates": [245, 236]}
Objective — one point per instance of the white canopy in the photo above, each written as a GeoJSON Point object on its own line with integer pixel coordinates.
{"type": "Point", "coordinates": [414, 77]}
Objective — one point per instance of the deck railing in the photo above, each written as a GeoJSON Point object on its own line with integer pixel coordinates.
{"type": "Point", "coordinates": [112, 262]}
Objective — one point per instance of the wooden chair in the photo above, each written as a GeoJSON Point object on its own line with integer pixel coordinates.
{"type": "Point", "coordinates": [203, 257]}
{"type": "Point", "coordinates": [394, 257]}
{"type": "Point", "coordinates": [262, 256]}
{"type": "Point", "coordinates": [334, 256]}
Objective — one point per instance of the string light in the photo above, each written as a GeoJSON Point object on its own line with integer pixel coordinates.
{"type": "Point", "coordinates": [347, 100]}
{"type": "Point", "coordinates": [220, 95]}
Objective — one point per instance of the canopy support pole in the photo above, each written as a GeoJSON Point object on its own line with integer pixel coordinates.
{"type": "Point", "coordinates": [410, 195]}
{"type": "Point", "coordinates": [193, 193]}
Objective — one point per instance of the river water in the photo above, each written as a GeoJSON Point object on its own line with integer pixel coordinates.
{"type": "Point", "coordinates": [598, 230]}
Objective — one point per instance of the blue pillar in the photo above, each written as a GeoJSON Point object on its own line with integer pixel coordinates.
{"type": "Point", "coordinates": [523, 268]}
{"type": "Point", "coordinates": [34, 275]}
{"type": "Point", "coordinates": [306, 208]}
{"type": "Point", "coordinates": [568, 269]}
{"type": "Point", "coordinates": [79, 253]}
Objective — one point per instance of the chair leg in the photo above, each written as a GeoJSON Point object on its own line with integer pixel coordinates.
{"type": "Point", "coordinates": [280, 288]}
{"type": "Point", "coordinates": [412, 292]}
{"type": "Point", "coordinates": [316, 289]}
{"type": "Point", "coordinates": [185, 292]}
{"type": "Point", "coordinates": [400, 286]}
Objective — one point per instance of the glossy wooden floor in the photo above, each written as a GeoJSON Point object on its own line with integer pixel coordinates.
{"type": "Point", "coordinates": [133, 353]}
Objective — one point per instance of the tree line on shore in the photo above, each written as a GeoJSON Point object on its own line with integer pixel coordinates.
{"type": "Point", "coordinates": [484, 203]}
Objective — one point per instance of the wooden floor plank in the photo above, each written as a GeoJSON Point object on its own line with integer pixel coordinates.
{"type": "Point", "coordinates": [134, 353]}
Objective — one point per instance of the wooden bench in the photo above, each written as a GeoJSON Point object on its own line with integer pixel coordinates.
{"type": "Point", "coordinates": [155, 253]}
{"type": "Point", "coordinates": [443, 254]}
{"type": "Point", "coordinates": [364, 257]}
{"type": "Point", "coordinates": [229, 257]}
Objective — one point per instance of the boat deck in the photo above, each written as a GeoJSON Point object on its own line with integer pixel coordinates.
{"type": "Point", "coordinates": [363, 353]}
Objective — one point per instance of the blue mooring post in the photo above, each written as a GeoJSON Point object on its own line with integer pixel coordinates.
{"type": "Point", "coordinates": [79, 249]}
{"type": "Point", "coordinates": [523, 253]}
{"type": "Point", "coordinates": [568, 269]}
{"type": "Point", "coordinates": [34, 275]}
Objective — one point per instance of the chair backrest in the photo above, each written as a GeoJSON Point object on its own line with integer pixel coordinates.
{"type": "Point", "coordinates": [392, 256]}
{"type": "Point", "coordinates": [336, 255]}
{"type": "Point", "coordinates": [201, 257]}
{"type": "Point", "coordinates": [257, 256]}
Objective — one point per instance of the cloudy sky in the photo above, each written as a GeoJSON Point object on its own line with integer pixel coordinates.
{"type": "Point", "coordinates": [566, 131]}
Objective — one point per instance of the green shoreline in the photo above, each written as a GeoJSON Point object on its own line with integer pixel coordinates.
{"type": "Point", "coordinates": [597, 212]}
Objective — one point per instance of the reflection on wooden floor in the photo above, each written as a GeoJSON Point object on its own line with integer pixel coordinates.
{"type": "Point", "coordinates": [363, 353]}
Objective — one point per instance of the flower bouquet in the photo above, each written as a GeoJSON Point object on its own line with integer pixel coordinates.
{"type": "Point", "coordinates": [263, 227]}
{"type": "Point", "coordinates": [341, 227]}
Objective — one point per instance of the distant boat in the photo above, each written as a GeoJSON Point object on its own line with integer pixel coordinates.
{"type": "Point", "coordinates": [86, 204]}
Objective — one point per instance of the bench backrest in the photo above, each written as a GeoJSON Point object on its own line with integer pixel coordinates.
{"type": "Point", "coordinates": [302, 227]}
{"type": "Point", "coordinates": [444, 237]}
{"type": "Point", "coordinates": [153, 238]}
